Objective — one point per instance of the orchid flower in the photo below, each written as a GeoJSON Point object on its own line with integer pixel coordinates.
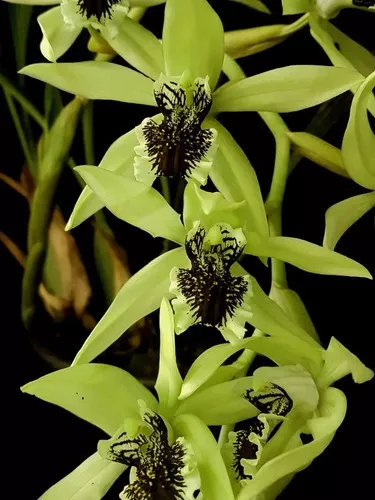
{"type": "Point", "coordinates": [326, 9]}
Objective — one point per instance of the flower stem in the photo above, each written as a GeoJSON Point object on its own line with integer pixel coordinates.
{"type": "Point", "coordinates": [88, 133]}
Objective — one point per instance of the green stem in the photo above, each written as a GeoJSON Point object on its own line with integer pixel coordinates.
{"type": "Point", "coordinates": [165, 188]}
{"type": "Point", "coordinates": [88, 133]}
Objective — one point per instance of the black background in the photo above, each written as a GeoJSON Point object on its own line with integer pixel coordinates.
{"type": "Point", "coordinates": [45, 442]}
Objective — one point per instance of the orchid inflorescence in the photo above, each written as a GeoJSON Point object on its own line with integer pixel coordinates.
{"type": "Point", "coordinates": [163, 436]}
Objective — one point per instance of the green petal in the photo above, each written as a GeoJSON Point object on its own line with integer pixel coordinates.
{"type": "Point", "coordinates": [220, 404]}
{"type": "Point", "coordinates": [358, 145]}
{"type": "Point", "coordinates": [34, 2]}
{"type": "Point", "coordinates": [90, 480]}
{"type": "Point", "coordinates": [169, 381]}
{"type": "Point", "coordinates": [95, 80]}
{"type": "Point", "coordinates": [100, 394]}
{"type": "Point", "coordinates": [341, 216]}
{"type": "Point", "coordinates": [285, 89]}
{"type": "Point", "coordinates": [193, 40]}
{"type": "Point", "coordinates": [135, 203]}
{"type": "Point", "coordinates": [140, 296]}
{"type": "Point", "coordinates": [138, 46]}
{"type": "Point", "coordinates": [57, 35]}
{"type": "Point", "coordinates": [215, 484]}
{"type": "Point", "coordinates": [305, 255]}
{"type": "Point", "coordinates": [339, 362]}
{"type": "Point", "coordinates": [119, 158]}
{"type": "Point", "coordinates": [332, 409]}
{"type": "Point", "coordinates": [255, 4]}
{"type": "Point", "coordinates": [210, 208]}
{"type": "Point", "coordinates": [234, 176]}
{"type": "Point", "coordinates": [296, 6]}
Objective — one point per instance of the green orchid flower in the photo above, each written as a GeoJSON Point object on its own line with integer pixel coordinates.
{"type": "Point", "coordinates": [62, 25]}
{"type": "Point", "coordinates": [166, 445]}
{"type": "Point", "coordinates": [325, 9]}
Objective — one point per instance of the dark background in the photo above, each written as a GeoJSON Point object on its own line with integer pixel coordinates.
{"type": "Point", "coordinates": [46, 442]}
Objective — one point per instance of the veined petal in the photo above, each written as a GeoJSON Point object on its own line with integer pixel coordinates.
{"type": "Point", "coordinates": [285, 89]}
{"type": "Point", "coordinates": [234, 176]}
{"type": "Point", "coordinates": [100, 394]}
{"type": "Point", "coordinates": [305, 255]}
{"type": "Point", "coordinates": [90, 480]}
{"type": "Point", "coordinates": [169, 381]}
{"type": "Point", "coordinates": [215, 484]}
{"type": "Point", "coordinates": [135, 203]}
{"type": "Point", "coordinates": [137, 46]}
{"type": "Point", "coordinates": [341, 216]}
{"type": "Point", "coordinates": [119, 158]}
{"type": "Point", "coordinates": [193, 40]}
{"type": "Point", "coordinates": [57, 35]}
{"type": "Point", "coordinates": [133, 302]}
{"type": "Point", "coordinates": [358, 144]}
{"type": "Point", "coordinates": [95, 80]}
{"type": "Point", "coordinates": [332, 409]}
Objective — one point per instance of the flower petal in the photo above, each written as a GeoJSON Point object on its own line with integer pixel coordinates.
{"type": "Point", "coordinates": [234, 176]}
{"type": "Point", "coordinates": [285, 89]}
{"type": "Point", "coordinates": [119, 158]}
{"type": "Point", "coordinates": [305, 255]}
{"type": "Point", "coordinates": [137, 46]}
{"type": "Point", "coordinates": [34, 2]}
{"type": "Point", "coordinates": [358, 145]}
{"type": "Point", "coordinates": [296, 6]}
{"type": "Point", "coordinates": [215, 484]}
{"type": "Point", "coordinates": [255, 4]}
{"type": "Point", "coordinates": [100, 394]}
{"type": "Point", "coordinates": [341, 216]}
{"type": "Point", "coordinates": [193, 40]}
{"type": "Point", "coordinates": [169, 381]}
{"type": "Point", "coordinates": [133, 302]}
{"type": "Point", "coordinates": [95, 80]}
{"type": "Point", "coordinates": [339, 362]}
{"type": "Point", "coordinates": [90, 480]}
{"type": "Point", "coordinates": [57, 35]}
{"type": "Point", "coordinates": [332, 409]}
{"type": "Point", "coordinates": [135, 203]}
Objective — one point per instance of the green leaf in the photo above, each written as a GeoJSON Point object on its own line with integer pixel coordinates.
{"type": "Point", "coordinates": [234, 176]}
{"type": "Point", "coordinates": [341, 216]}
{"type": "Point", "coordinates": [100, 394]}
{"type": "Point", "coordinates": [169, 381]}
{"type": "Point", "coordinates": [285, 89]}
{"type": "Point", "coordinates": [95, 80]}
{"type": "Point", "coordinates": [332, 409]}
{"type": "Point", "coordinates": [358, 145]}
{"type": "Point", "coordinates": [193, 40]}
{"type": "Point", "coordinates": [141, 295]}
{"type": "Point", "coordinates": [296, 6]}
{"type": "Point", "coordinates": [255, 4]}
{"type": "Point", "coordinates": [305, 255]}
{"type": "Point", "coordinates": [138, 46]}
{"type": "Point", "coordinates": [339, 362]}
{"type": "Point", "coordinates": [90, 480]}
{"type": "Point", "coordinates": [119, 158]}
{"type": "Point", "coordinates": [135, 203]}
{"type": "Point", "coordinates": [220, 404]}
{"type": "Point", "coordinates": [58, 36]}
{"type": "Point", "coordinates": [215, 484]}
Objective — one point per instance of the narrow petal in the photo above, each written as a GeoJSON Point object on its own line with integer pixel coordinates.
{"type": "Point", "coordinates": [215, 484]}
{"type": "Point", "coordinates": [341, 216]}
{"type": "Point", "coordinates": [291, 7]}
{"type": "Point", "coordinates": [140, 296]}
{"type": "Point", "coordinates": [137, 46]}
{"type": "Point", "coordinates": [234, 176]}
{"type": "Point", "coordinates": [34, 2]}
{"type": "Point", "coordinates": [332, 410]}
{"type": "Point", "coordinates": [285, 89]}
{"type": "Point", "coordinates": [358, 145]}
{"type": "Point", "coordinates": [255, 4]}
{"type": "Point", "coordinates": [90, 480]}
{"type": "Point", "coordinates": [135, 203]}
{"type": "Point", "coordinates": [100, 394]}
{"type": "Point", "coordinates": [95, 80]}
{"type": "Point", "coordinates": [305, 255]}
{"type": "Point", "coordinates": [169, 381]}
{"type": "Point", "coordinates": [193, 40]}
{"type": "Point", "coordinates": [119, 158]}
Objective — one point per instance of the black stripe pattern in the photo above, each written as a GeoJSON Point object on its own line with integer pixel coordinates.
{"type": "Point", "coordinates": [100, 9]}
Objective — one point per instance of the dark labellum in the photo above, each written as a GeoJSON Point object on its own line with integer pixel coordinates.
{"type": "Point", "coordinates": [243, 448]}
{"type": "Point", "coordinates": [178, 143]}
{"type": "Point", "coordinates": [158, 464]}
{"type": "Point", "coordinates": [275, 400]}
{"type": "Point", "coordinates": [212, 293]}
{"type": "Point", "coordinates": [97, 8]}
